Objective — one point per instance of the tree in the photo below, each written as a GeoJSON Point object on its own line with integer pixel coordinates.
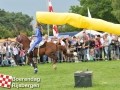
{"type": "Point", "coordinates": [12, 23]}
{"type": "Point", "coordinates": [116, 9]}
{"type": "Point", "coordinates": [99, 9]}
{"type": "Point", "coordinates": [4, 33]}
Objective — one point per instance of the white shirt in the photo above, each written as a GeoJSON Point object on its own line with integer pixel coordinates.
{"type": "Point", "coordinates": [9, 48]}
{"type": "Point", "coordinates": [62, 43]}
{"type": "Point", "coordinates": [110, 38]}
{"type": "Point", "coordinates": [102, 41]}
{"type": "Point", "coordinates": [0, 48]}
{"type": "Point", "coordinates": [15, 51]}
{"type": "Point", "coordinates": [3, 50]}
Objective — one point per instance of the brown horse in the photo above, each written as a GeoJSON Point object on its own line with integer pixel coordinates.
{"type": "Point", "coordinates": [48, 48]}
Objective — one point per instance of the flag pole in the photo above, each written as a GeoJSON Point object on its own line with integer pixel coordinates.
{"type": "Point", "coordinates": [48, 29]}
{"type": "Point", "coordinates": [48, 26]}
{"type": "Point", "coordinates": [54, 27]}
{"type": "Point", "coordinates": [89, 15]}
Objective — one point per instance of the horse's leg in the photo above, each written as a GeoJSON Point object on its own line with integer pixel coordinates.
{"type": "Point", "coordinates": [34, 64]}
{"type": "Point", "coordinates": [54, 57]}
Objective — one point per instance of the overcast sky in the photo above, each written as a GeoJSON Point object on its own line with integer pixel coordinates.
{"type": "Point", "coordinates": [31, 6]}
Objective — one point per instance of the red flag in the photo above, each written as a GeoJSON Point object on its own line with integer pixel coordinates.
{"type": "Point", "coordinates": [50, 6]}
{"type": "Point", "coordinates": [55, 29]}
{"type": "Point", "coordinates": [5, 81]}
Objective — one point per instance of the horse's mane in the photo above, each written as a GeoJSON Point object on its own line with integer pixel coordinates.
{"type": "Point", "coordinates": [24, 36]}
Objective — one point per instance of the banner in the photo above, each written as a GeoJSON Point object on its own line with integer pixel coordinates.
{"type": "Point", "coordinates": [78, 21]}
{"type": "Point", "coordinates": [5, 81]}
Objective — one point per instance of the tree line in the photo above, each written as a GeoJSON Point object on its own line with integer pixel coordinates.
{"type": "Point", "coordinates": [108, 10]}
{"type": "Point", "coordinates": [12, 23]}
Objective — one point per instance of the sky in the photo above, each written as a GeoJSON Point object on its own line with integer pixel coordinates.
{"type": "Point", "coordinates": [31, 6]}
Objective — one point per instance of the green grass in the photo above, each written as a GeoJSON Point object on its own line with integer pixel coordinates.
{"type": "Point", "coordinates": [106, 75]}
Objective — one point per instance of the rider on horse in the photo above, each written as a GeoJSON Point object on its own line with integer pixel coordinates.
{"type": "Point", "coordinates": [38, 37]}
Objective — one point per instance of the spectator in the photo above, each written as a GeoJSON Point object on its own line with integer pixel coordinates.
{"type": "Point", "coordinates": [5, 62]}
{"type": "Point", "coordinates": [22, 56]}
{"type": "Point", "coordinates": [80, 49]}
{"type": "Point", "coordinates": [0, 58]}
{"type": "Point", "coordinates": [86, 50]}
{"type": "Point", "coordinates": [110, 38]}
{"type": "Point", "coordinates": [100, 47]}
{"type": "Point", "coordinates": [8, 49]}
{"type": "Point", "coordinates": [3, 51]}
{"type": "Point", "coordinates": [85, 36]}
{"type": "Point", "coordinates": [15, 54]}
{"type": "Point", "coordinates": [12, 61]}
{"type": "Point", "coordinates": [91, 47]}
{"type": "Point", "coordinates": [106, 44]}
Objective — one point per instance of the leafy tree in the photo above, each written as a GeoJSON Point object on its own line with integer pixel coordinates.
{"type": "Point", "coordinates": [99, 9]}
{"type": "Point", "coordinates": [13, 23]}
{"type": "Point", "coordinates": [4, 33]}
{"type": "Point", "coordinates": [116, 9]}
{"type": "Point", "coordinates": [108, 10]}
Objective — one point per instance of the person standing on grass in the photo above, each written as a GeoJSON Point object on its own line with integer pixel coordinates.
{"type": "Point", "coordinates": [15, 54]}
{"type": "Point", "coordinates": [22, 55]}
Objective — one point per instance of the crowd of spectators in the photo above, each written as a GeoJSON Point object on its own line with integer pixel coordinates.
{"type": "Point", "coordinates": [87, 48]}
{"type": "Point", "coordinates": [11, 54]}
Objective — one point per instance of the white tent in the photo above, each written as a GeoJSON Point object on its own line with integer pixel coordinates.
{"type": "Point", "coordinates": [92, 32]}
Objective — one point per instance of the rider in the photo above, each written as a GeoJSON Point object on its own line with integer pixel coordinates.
{"type": "Point", "coordinates": [38, 37]}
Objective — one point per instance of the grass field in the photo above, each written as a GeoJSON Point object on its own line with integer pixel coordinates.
{"type": "Point", "coordinates": [106, 75]}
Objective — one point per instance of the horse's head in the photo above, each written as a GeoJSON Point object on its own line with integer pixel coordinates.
{"type": "Point", "coordinates": [19, 38]}
{"type": "Point", "coordinates": [24, 40]}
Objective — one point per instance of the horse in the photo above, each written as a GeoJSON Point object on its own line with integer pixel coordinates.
{"type": "Point", "coordinates": [48, 48]}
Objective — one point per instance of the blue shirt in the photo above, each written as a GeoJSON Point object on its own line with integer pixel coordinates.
{"type": "Point", "coordinates": [38, 33]}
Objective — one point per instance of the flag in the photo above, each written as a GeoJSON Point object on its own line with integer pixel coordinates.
{"type": "Point", "coordinates": [55, 28]}
{"type": "Point", "coordinates": [5, 81]}
{"type": "Point", "coordinates": [50, 6]}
